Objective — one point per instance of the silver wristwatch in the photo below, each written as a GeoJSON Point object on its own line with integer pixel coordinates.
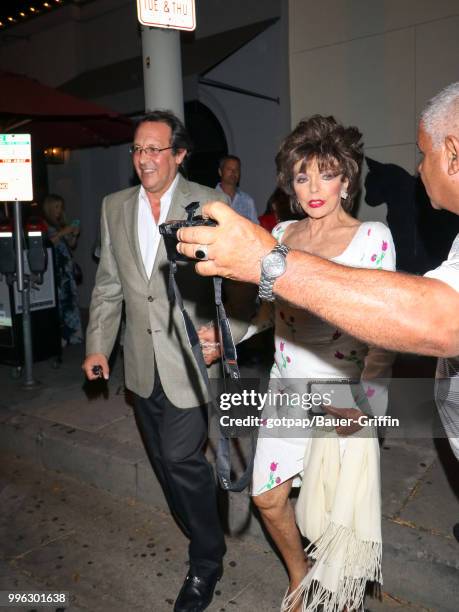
{"type": "Point", "coordinates": [273, 265]}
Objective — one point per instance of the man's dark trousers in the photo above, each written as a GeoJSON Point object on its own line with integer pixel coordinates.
{"type": "Point", "coordinates": [174, 439]}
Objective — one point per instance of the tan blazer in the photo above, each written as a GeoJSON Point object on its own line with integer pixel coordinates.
{"type": "Point", "coordinates": [154, 330]}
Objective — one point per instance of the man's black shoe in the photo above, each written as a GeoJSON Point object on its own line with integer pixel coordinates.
{"type": "Point", "coordinates": [456, 531]}
{"type": "Point", "coordinates": [197, 592]}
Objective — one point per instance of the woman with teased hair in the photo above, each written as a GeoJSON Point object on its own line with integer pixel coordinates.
{"type": "Point", "coordinates": [319, 166]}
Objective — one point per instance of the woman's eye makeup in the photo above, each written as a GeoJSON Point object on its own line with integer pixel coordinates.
{"type": "Point", "coordinates": [301, 178]}
{"type": "Point", "coordinates": [325, 176]}
{"type": "Point", "coordinates": [329, 176]}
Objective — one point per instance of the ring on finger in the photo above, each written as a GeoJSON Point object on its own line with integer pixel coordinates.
{"type": "Point", "coordinates": [202, 252]}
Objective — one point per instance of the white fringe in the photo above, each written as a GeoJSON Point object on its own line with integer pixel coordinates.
{"type": "Point", "coordinates": [362, 563]}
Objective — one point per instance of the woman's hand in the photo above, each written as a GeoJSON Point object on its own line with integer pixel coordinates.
{"type": "Point", "coordinates": [65, 231]}
{"type": "Point", "coordinates": [352, 415]}
{"type": "Point", "coordinates": [209, 340]}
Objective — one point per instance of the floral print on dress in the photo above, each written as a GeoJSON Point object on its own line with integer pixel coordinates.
{"type": "Point", "coordinates": [377, 259]}
{"type": "Point", "coordinates": [279, 230]}
{"type": "Point", "coordinates": [351, 356]}
{"type": "Point", "coordinates": [289, 322]}
{"type": "Point", "coordinates": [69, 312]}
{"type": "Point", "coordinates": [273, 480]}
{"type": "Point", "coordinates": [285, 358]}
{"type": "Point", "coordinates": [369, 392]}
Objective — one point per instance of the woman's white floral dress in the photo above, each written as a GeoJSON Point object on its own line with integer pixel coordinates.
{"type": "Point", "coordinates": [308, 348]}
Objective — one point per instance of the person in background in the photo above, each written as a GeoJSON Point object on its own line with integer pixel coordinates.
{"type": "Point", "coordinates": [278, 209]}
{"type": "Point", "coordinates": [269, 219]}
{"type": "Point", "coordinates": [240, 298]}
{"type": "Point", "coordinates": [230, 175]}
{"type": "Point", "coordinates": [64, 237]}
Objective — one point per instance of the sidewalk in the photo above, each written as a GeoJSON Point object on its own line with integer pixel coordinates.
{"type": "Point", "coordinates": [87, 431]}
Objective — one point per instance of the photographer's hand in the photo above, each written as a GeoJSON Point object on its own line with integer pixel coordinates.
{"type": "Point", "coordinates": [235, 246]}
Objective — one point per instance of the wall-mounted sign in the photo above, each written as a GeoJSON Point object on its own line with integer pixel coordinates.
{"type": "Point", "coordinates": [175, 14]}
{"type": "Point", "coordinates": [15, 168]}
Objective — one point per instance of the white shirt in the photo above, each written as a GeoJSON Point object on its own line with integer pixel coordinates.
{"type": "Point", "coordinates": [447, 384]}
{"type": "Point", "coordinates": [147, 228]}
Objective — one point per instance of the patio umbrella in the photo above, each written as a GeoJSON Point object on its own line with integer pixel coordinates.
{"type": "Point", "coordinates": [55, 118]}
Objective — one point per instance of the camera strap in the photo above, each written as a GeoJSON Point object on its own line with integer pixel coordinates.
{"type": "Point", "coordinates": [230, 371]}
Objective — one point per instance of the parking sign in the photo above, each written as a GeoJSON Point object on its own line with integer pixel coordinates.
{"type": "Point", "coordinates": [15, 168]}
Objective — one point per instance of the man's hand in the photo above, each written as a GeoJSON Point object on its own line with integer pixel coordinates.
{"type": "Point", "coordinates": [235, 246]}
{"type": "Point", "coordinates": [351, 414]}
{"type": "Point", "coordinates": [96, 359]}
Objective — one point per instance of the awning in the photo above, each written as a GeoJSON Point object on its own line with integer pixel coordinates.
{"type": "Point", "coordinates": [55, 118]}
{"type": "Point", "coordinates": [199, 55]}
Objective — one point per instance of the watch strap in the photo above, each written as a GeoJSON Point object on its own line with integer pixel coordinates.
{"type": "Point", "coordinates": [265, 289]}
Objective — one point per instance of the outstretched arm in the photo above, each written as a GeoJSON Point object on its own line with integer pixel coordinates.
{"type": "Point", "coordinates": [393, 310]}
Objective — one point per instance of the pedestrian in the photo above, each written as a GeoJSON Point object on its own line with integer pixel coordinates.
{"type": "Point", "coordinates": [169, 396]}
{"type": "Point", "coordinates": [229, 170]}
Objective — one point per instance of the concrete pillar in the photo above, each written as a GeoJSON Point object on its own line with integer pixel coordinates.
{"type": "Point", "coordinates": [162, 70]}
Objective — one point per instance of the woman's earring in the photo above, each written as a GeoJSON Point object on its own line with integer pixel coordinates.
{"type": "Point", "coordinates": [344, 194]}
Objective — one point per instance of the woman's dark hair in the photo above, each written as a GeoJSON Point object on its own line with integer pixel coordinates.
{"type": "Point", "coordinates": [332, 145]}
{"type": "Point", "coordinates": [180, 139]}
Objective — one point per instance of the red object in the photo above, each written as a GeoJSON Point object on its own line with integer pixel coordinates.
{"type": "Point", "coordinates": [6, 226]}
{"type": "Point", "coordinates": [36, 224]}
{"type": "Point", "coordinates": [268, 221]}
{"type": "Point", "coordinates": [57, 119]}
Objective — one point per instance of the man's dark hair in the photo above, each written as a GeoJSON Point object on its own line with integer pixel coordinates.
{"type": "Point", "coordinates": [222, 161]}
{"type": "Point", "coordinates": [332, 145]}
{"type": "Point", "coordinates": [180, 139]}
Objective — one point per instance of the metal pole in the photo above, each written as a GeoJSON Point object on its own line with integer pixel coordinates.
{"type": "Point", "coordinates": [162, 70]}
{"type": "Point", "coordinates": [23, 284]}
{"type": "Point", "coordinates": [29, 380]}
{"type": "Point", "coordinates": [18, 245]}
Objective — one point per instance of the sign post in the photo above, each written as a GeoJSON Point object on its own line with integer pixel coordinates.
{"type": "Point", "coordinates": [162, 63]}
{"type": "Point", "coordinates": [16, 187]}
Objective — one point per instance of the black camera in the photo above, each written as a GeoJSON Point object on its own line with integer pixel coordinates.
{"type": "Point", "coordinates": [169, 231]}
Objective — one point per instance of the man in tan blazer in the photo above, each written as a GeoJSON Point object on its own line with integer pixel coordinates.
{"type": "Point", "coordinates": [170, 395]}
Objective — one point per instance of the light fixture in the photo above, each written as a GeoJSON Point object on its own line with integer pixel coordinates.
{"type": "Point", "coordinates": [22, 14]}
{"type": "Point", "coordinates": [55, 155]}
{"type": "Point", "coordinates": [32, 10]}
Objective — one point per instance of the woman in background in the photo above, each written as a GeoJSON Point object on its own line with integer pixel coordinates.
{"type": "Point", "coordinates": [64, 237]}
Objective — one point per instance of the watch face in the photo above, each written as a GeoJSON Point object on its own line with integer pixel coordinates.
{"type": "Point", "coordinates": [273, 265]}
